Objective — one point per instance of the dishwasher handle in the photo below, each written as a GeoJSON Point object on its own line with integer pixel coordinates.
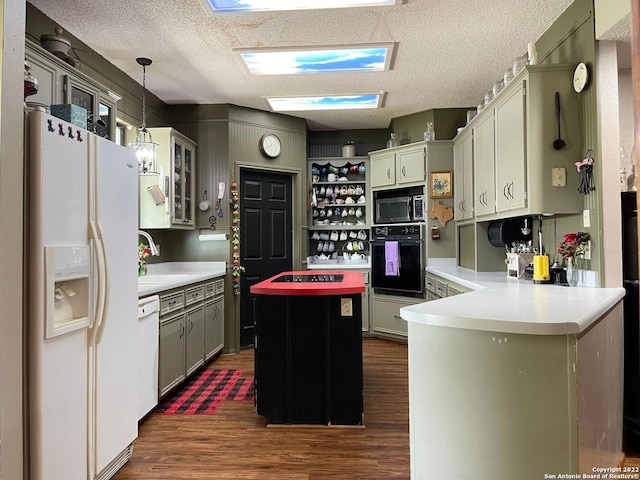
{"type": "Point", "coordinates": [148, 306]}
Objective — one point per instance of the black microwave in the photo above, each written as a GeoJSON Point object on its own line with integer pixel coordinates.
{"type": "Point", "coordinates": [399, 206]}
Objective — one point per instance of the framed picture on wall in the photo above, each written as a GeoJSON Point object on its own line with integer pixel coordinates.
{"type": "Point", "coordinates": [441, 185]}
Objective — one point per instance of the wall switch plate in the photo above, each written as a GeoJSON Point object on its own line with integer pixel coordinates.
{"type": "Point", "coordinates": [586, 219]}
{"type": "Point", "coordinates": [346, 307]}
{"type": "Point", "coordinates": [559, 177]}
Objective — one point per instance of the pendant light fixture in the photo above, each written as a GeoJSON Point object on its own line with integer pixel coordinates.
{"type": "Point", "coordinates": [144, 145]}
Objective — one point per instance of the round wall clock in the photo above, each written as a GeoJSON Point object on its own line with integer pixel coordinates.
{"type": "Point", "coordinates": [580, 77]}
{"type": "Point", "coordinates": [270, 145]}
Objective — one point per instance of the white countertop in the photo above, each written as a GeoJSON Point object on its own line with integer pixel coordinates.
{"type": "Point", "coordinates": [501, 304]}
{"type": "Point", "coordinates": [167, 275]}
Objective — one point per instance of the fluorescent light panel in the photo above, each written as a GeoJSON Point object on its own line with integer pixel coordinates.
{"type": "Point", "coordinates": [236, 6]}
{"type": "Point", "coordinates": [291, 61]}
{"type": "Point", "coordinates": [326, 102]}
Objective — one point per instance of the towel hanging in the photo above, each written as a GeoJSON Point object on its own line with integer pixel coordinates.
{"type": "Point", "coordinates": [392, 259]}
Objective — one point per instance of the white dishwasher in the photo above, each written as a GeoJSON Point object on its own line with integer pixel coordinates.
{"type": "Point", "coordinates": [148, 344]}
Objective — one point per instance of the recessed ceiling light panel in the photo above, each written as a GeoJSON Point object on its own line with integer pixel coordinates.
{"type": "Point", "coordinates": [219, 6]}
{"type": "Point", "coordinates": [292, 61]}
{"type": "Point", "coordinates": [326, 102]}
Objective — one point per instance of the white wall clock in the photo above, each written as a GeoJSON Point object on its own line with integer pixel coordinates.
{"type": "Point", "coordinates": [270, 145]}
{"type": "Point", "coordinates": [580, 77]}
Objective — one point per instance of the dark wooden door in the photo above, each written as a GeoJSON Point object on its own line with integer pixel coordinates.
{"type": "Point", "coordinates": [265, 236]}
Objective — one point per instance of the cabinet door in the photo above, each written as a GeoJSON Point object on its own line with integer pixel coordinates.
{"type": "Point", "coordinates": [386, 316]}
{"type": "Point", "coordinates": [172, 354]}
{"type": "Point", "coordinates": [463, 177]}
{"type": "Point", "coordinates": [194, 324]}
{"type": "Point", "coordinates": [49, 86]}
{"type": "Point", "coordinates": [383, 169]}
{"type": "Point", "coordinates": [510, 152]}
{"type": "Point", "coordinates": [365, 303]}
{"type": "Point", "coordinates": [183, 163]}
{"type": "Point", "coordinates": [410, 165]}
{"type": "Point", "coordinates": [213, 327]}
{"type": "Point", "coordinates": [484, 171]}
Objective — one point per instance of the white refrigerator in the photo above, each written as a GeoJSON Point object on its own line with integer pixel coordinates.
{"type": "Point", "coordinates": [82, 302]}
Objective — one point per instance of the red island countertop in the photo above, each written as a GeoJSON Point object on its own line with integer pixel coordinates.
{"type": "Point", "coordinates": [311, 282]}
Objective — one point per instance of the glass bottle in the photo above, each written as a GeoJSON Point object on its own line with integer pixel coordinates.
{"type": "Point", "coordinates": [429, 132]}
{"type": "Point", "coordinates": [623, 169]}
{"type": "Point", "coordinates": [573, 273]}
{"type": "Point", "coordinates": [631, 178]}
{"type": "Point", "coordinates": [392, 141]}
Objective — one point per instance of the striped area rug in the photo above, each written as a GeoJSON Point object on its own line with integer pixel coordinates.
{"type": "Point", "coordinates": [203, 394]}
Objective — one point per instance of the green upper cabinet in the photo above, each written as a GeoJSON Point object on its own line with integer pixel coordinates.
{"type": "Point", "coordinates": [176, 181]}
{"type": "Point", "coordinates": [483, 155]}
{"type": "Point", "coordinates": [410, 164]}
{"type": "Point", "coordinates": [383, 169]}
{"type": "Point", "coordinates": [510, 150]}
{"type": "Point", "coordinates": [514, 158]}
{"type": "Point", "coordinates": [463, 176]}
{"type": "Point", "coordinates": [399, 166]}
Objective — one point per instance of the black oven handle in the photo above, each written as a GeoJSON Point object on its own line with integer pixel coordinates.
{"type": "Point", "coordinates": [401, 242]}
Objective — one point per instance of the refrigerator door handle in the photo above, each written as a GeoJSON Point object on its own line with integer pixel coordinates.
{"type": "Point", "coordinates": [99, 310]}
{"type": "Point", "coordinates": [106, 289]}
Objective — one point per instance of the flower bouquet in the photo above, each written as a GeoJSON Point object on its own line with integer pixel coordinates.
{"type": "Point", "coordinates": [573, 246]}
{"type": "Point", "coordinates": [143, 253]}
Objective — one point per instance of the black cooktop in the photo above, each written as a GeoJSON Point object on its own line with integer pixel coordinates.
{"type": "Point", "coordinates": [310, 278]}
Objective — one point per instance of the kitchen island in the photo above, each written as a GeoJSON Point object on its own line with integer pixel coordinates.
{"type": "Point", "coordinates": [308, 348]}
{"type": "Point", "coordinates": [520, 380]}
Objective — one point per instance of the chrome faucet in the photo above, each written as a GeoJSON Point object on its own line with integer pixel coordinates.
{"type": "Point", "coordinates": [152, 246]}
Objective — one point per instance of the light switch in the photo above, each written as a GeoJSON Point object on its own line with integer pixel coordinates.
{"type": "Point", "coordinates": [559, 177]}
{"type": "Point", "coordinates": [586, 219]}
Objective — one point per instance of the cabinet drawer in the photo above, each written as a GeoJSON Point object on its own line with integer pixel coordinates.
{"type": "Point", "coordinates": [194, 294]}
{"type": "Point", "coordinates": [430, 283]}
{"type": "Point", "coordinates": [220, 286]}
{"type": "Point", "coordinates": [441, 288]}
{"type": "Point", "coordinates": [209, 289]}
{"type": "Point", "coordinates": [171, 302]}
{"type": "Point", "coordinates": [455, 290]}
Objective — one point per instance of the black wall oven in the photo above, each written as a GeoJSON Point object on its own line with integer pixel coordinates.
{"type": "Point", "coordinates": [408, 279]}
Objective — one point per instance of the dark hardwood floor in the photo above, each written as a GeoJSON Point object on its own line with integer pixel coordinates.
{"type": "Point", "coordinates": [234, 443]}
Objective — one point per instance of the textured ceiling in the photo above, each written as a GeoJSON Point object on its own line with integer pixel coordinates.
{"type": "Point", "coordinates": [448, 52]}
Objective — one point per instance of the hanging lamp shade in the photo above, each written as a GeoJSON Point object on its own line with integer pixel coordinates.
{"type": "Point", "coordinates": [146, 149]}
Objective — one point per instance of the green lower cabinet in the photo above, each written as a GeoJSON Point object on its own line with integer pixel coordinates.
{"type": "Point", "coordinates": [386, 315]}
{"type": "Point", "coordinates": [213, 326]}
{"type": "Point", "coordinates": [191, 331]}
{"type": "Point", "coordinates": [172, 353]}
{"type": "Point", "coordinates": [439, 287]}
{"type": "Point", "coordinates": [194, 324]}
